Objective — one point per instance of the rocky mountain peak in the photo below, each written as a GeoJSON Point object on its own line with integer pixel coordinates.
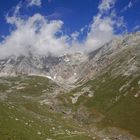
{"type": "Point", "coordinates": [70, 67]}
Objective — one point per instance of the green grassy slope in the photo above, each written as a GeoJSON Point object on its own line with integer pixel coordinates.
{"type": "Point", "coordinates": [22, 117]}
{"type": "Point", "coordinates": [116, 100]}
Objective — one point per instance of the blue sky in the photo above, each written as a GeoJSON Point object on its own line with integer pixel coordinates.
{"type": "Point", "coordinates": [84, 23]}
{"type": "Point", "coordinates": [75, 13]}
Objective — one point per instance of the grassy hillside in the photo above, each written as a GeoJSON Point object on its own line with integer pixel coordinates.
{"type": "Point", "coordinates": [24, 114]}
{"type": "Point", "coordinates": [116, 95]}
{"type": "Point", "coordinates": [105, 107]}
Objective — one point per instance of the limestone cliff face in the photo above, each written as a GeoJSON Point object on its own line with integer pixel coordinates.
{"type": "Point", "coordinates": [69, 68]}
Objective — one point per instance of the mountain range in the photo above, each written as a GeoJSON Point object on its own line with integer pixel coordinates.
{"type": "Point", "coordinates": [79, 95]}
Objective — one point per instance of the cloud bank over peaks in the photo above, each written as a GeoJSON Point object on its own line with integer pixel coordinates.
{"type": "Point", "coordinates": [41, 36]}
{"type": "Point", "coordinates": [103, 27]}
{"type": "Point", "coordinates": [35, 34]}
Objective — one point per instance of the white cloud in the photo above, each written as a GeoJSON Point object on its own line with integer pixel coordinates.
{"type": "Point", "coordinates": [102, 29]}
{"type": "Point", "coordinates": [137, 27]}
{"type": "Point", "coordinates": [34, 3]}
{"type": "Point", "coordinates": [39, 35]}
{"type": "Point", "coordinates": [100, 33]}
{"type": "Point", "coordinates": [75, 35]}
{"type": "Point", "coordinates": [106, 5]}
{"type": "Point", "coordinates": [34, 34]}
{"type": "Point", "coordinates": [130, 5]}
{"type": "Point", "coordinates": [17, 8]}
{"type": "Point", "coordinates": [104, 26]}
{"type": "Point", "coordinates": [55, 15]}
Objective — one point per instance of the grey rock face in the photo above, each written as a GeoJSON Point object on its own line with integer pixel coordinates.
{"type": "Point", "coordinates": [69, 68]}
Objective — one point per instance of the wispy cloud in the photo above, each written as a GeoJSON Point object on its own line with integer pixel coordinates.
{"type": "Point", "coordinates": [55, 15]}
{"type": "Point", "coordinates": [34, 3]}
{"type": "Point", "coordinates": [129, 5]}
{"type": "Point", "coordinates": [106, 5]}
{"type": "Point", "coordinates": [59, 13]}
{"type": "Point", "coordinates": [17, 8]}
{"type": "Point", "coordinates": [137, 27]}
